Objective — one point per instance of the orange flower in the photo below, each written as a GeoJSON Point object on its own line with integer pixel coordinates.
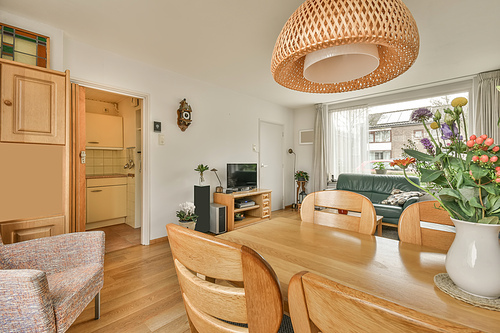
{"type": "Point", "coordinates": [403, 163]}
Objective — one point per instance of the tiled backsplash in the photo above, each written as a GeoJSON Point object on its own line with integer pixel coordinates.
{"type": "Point", "coordinates": [102, 162]}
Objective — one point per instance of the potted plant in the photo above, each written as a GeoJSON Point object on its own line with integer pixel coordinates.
{"type": "Point", "coordinates": [239, 216]}
{"type": "Point", "coordinates": [301, 176]}
{"type": "Point", "coordinates": [201, 169]}
{"type": "Point", "coordinates": [379, 168]}
{"type": "Point", "coordinates": [463, 174]}
{"type": "Point", "coordinates": [187, 217]}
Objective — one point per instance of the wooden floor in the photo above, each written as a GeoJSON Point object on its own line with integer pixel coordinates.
{"type": "Point", "coordinates": [121, 236]}
{"type": "Point", "coordinates": [141, 292]}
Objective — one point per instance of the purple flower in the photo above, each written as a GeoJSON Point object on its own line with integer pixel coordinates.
{"type": "Point", "coordinates": [428, 145]}
{"type": "Point", "coordinates": [450, 133]}
{"type": "Point", "coordinates": [421, 114]}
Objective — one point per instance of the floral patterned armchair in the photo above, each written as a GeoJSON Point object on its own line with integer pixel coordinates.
{"type": "Point", "coordinates": [46, 283]}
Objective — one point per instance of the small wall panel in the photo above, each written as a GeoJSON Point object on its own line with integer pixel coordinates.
{"type": "Point", "coordinates": [13, 232]}
{"type": "Point", "coordinates": [33, 108]}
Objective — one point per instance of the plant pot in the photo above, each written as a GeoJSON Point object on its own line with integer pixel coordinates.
{"type": "Point", "coordinates": [473, 260]}
{"type": "Point", "coordinates": [381, 172]}
{"type": "Point", "coordinates": [188, 224]}
{"type": "Point", "coordinates": [301, 179]}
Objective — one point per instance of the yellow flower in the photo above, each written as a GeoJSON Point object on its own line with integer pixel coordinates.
{"type": "Point", "coordinates": [434, 125]}
{"type": "Point", "coordinates": [459, 101]}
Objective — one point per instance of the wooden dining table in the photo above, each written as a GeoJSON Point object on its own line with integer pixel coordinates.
{"type": "Point", "coordinates": [398, 272]}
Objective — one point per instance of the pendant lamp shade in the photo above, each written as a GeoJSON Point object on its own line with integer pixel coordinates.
{"type": "Point", "coordinates": [331, 46]}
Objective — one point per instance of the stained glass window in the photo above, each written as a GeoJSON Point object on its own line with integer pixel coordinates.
{"type": "Point", "coordinates": [24, 46]}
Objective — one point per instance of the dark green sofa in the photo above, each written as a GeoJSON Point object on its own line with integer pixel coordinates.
{"type": "Point", "coordinates": [378, 188]}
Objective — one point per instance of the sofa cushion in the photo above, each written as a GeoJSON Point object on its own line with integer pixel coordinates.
{"type": "Point", "coordinates": [399, 197]}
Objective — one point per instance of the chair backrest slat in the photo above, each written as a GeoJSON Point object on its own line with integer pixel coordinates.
{"type": "Point", "coordinates": [318, 304]}
{"type": "Point", "coordinates": [238, 286]}
{"type": "Point", "coordinates": [329, 202]}
{"type": "Point", "coordinates": [410, 230]}
{"type": "Point", "coordinates": [230, 301]}
{"type": "Point", "coordinates": [218, 259]}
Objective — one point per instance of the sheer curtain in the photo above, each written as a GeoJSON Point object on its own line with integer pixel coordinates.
{"type": "Point", "coordinates": [486, 105]}
{"type": "Point", "coordinates": [321, 148]}
{"type": "Point", "coordinates": [348, 140]}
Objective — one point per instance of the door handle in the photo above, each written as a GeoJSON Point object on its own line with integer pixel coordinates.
{"type": "Point", "coordinates": [264, 165]}
{"type": "Point", "coordinates": [96, 191]}
{"type": "Point", "coordinates": [94, 142]}
{"type": "Point", "coordinates": [7, 102]}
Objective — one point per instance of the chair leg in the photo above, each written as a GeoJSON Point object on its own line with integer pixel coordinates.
{"type": "Point", "coordinates": [98, 306]}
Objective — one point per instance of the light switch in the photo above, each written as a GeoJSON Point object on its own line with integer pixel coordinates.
{"type": "Point", "coordinates": [161, 139]}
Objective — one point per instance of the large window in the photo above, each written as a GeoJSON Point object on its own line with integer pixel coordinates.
{"type": "Point", "coordinates": [390, 129]}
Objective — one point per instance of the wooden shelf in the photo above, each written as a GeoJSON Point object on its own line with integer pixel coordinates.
{"type": "Point", "coordinates": [258, 212]}
{"type": "Point", "coordinates": [244, 209]}
{"type": "Point", "coordinates": [247, 221]}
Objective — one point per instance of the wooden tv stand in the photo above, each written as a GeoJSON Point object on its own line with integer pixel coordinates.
{"type": "Point", "coordinates": [259, 212]}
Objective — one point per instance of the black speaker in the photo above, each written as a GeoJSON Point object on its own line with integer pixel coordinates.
{"type": "Point", "coordinates": [202, 204]}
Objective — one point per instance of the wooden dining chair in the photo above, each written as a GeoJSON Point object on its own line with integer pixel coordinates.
{"type": "Point", "coordinates": [224, 283]}
{"type": "Point", "coordinates": [422, 223]}
{"type": "Point", "coordinates": [321, 305]}
{"type": "Point", "coordinates": [323, 208]}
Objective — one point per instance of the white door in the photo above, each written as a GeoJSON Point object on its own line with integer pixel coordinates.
{"type": "Point", "coordinates": [271, 161]}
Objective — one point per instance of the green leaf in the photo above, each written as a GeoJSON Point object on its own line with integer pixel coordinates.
{"type": "Point", "coordinates": [489, 220]}
{"type": "Point", "coordinates": [495, 205]}
{"type": "Point", "coordinates": [456, 163]}
{"type": "Point", "coordinates": [460, 179]}
{"type": "Point", "coordinates": [474, 202]}
{"type": "Point", "coordinates": [451, 193]}
{"type": "Point", "coordinates": [428, 176]}
{"type": "Point", "coordinates": [490, 188]}
{"type": "Point", "coordinates": [466, 208]}
{"type": "Point", "coordinates": [468, 193]}
{"type": "Point", "coordinates": [477, 171]}
{"type": "Point", "coordinates": [419, 155]}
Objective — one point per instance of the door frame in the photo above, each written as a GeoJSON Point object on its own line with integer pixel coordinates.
{"type": "Point", "coordinates": [146, 174]}
{"type": "Point", "coordinates": [282, 156]}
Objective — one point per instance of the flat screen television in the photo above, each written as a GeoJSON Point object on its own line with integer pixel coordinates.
{"type": "Point", "coordinates": [242, 176]}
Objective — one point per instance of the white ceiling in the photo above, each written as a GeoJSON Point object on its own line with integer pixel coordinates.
{"type": "Point", "coordinates": [229, 43]}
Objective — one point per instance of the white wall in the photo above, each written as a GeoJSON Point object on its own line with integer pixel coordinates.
{"type": "Point", "coordinates": [304, 120]}
{"type": "Point", "coordinates": [225, 123]}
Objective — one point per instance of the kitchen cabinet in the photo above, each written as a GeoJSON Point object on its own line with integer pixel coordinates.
{"type": "Point", "coordinates": [106, 199]}
{"type": "Point", "coordinates": [35, 152]}
{"type": "Point", "coordinates": [104, 131]}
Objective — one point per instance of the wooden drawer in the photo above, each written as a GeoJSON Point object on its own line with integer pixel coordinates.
{"type": "Point", "coordinates": [265, 196]}
{"type": "Point", "coordinates": [266, 212]}
{"type": "Point", "coordinates": [265, 204]}
{"type": "Point", "coordinates": [13, 232]}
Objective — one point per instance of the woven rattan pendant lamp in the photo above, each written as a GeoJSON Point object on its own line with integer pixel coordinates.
{"type": "Point", "coordinates": [344, 45]}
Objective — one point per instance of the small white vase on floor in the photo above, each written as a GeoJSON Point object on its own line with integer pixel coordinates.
{"type": "Point", "coordinates": [188, 224]}
{"type": "Point", "coordinates": [473, 260]}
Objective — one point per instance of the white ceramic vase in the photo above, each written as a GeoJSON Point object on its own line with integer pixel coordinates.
{"type": "Point", "coordinates": [188, 224]}
{"type": "Point", "coordinates": [473, 260]}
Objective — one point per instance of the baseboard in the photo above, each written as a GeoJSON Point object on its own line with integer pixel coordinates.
{"type": "Point", "coordinates": [158, 240]}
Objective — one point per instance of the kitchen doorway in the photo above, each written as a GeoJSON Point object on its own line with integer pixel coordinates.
{"type": "Point", "coordinates": [114, 166]}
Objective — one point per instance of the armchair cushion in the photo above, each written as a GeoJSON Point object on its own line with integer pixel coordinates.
{"type": "Point", "coordinates": [46, 283]}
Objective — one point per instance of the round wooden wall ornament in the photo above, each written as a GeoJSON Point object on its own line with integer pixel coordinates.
{"type": "Point", "coordinates": [184, 115]}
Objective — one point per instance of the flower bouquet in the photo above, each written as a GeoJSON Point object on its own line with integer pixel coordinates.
{"type": "Point", "coordinates": [462, 173]}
